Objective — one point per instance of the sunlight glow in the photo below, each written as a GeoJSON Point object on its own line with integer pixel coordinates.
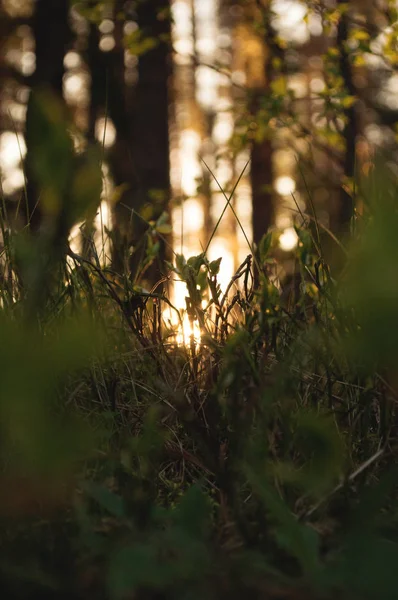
{"type": "Point", "coordinates": [298, 84]}
{"type": "Point", "coordinates": [224, 173]}
{"type": "Point", "coordinates": [179, 293]}
{"type": "Point", "coordinates": [101, 240]}
{"type": "Point", "coordinates": [389, 96]}
{"type": "Point", "coordinates": [75, 238]}
{"type": "Point", "coordinates": [72, 60]}
{"type": "Point", "coordinates": [223, 128]}
{"type": "Point", "coordinates": [107, 43]}
{"type": "Point", "coordinates": [206, 86]}
{"type": "Point", "coordinates": [285, 185]}
{"type": "Point", "coordinates": [289, 20]}
{"type": "Point", "coordinates": [186, 331]}
{"type": "Point", "coordinates": [193, 219]}
{"type": "Point", "coordinates": [14, 180]}
{"type": "Point", "coordinates": [17, 112]}
{"type": "Point", "coordinates": [106, 26]}
{"type": "Point", "coordinates": [183, 329]}
{"type": "Point", "coordinates": [76, 88]}
{"type": "Point", "coordinates": [11, 149]}
{"type": "Point", "coordinates": [184, 47]}
{"type": "Point", "coordinates": [288, 239]}
{"type": "Point", "coordinates": [105, 125]}
{"type": "Point", "coordinates": [28, 63]}
{"type": "Point", "coordinates": [315, 25]}
{"type": "Point", "coordinates": [220, 248]}
{"type": "Point", "coordinates": [204, 127]}
{"type": "Point", "coordinates": [191, 169]}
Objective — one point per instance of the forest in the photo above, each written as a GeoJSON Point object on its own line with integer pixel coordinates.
{"type": "Point", "coordinates": [199, 299]}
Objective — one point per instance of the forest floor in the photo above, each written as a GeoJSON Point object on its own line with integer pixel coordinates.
{"type": "Point", "coordinates": [255, 458]}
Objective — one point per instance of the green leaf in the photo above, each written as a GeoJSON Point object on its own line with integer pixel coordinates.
{"type": "Point", "coordinates": [265, 245]}
{"type": "Point", "coordinates": [164, 228]}
{"type": "Point", "coordinates": [214, 266]}
{"type": "Point", "coordinates": [180, 263]}
{"type": "Point", "coordinates": [195, 262]}
{"type": "Point", "coordinates": [279, 86]}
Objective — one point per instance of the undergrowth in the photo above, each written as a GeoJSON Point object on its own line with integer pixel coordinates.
{"type": "Point", "coordinates": [255, 461]}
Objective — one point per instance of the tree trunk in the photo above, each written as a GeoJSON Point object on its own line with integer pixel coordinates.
{"type": "Point", "coordinates": [350, 133]}
{"type": "Point", "coordinates": [151, 134]}
{"type": "Point", "coordinates": [151, 115]}
{"type": "Point", "coordinates": [52, 35]}
{"type": "Point", "coordinates": [261, 168]}
{"type": "Point", "coordinates": [261, 180]}
{"type": "Point", "coordinates": [140, 156]}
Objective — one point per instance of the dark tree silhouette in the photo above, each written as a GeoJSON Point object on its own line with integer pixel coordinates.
{"type": "Point", "coordinates": [52, 34]}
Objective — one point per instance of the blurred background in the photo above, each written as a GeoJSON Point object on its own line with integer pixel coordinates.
{"type": "Point", "coordinates": [182, 95]}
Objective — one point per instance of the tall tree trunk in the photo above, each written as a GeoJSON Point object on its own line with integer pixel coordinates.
{"type": "Point", "coordinates": [350, 133]}
{"type": "Point", "coordinates": [52, 34]}
{"type": "Point", "coordinates": [140, 156]}
{"type": "Point", "coordinates": [261, 179]}
{"type": "Point", "coordinates": [261, 168]}
{"type": "Point", "coordinates": [151, 134]}
{"type": "Point", "coordinates": [151, 114]}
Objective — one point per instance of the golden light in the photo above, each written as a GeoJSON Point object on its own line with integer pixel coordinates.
{"type": "Point", "coordinates": [107, 43]}
{"type": "Point", "coordinates": [315, 26]}
{"type": "Point", "coordinates": [184, 47]}
{"type": "Point", "coordinates": [12, 149]}
{"type": "Point", "coordinates": [101, 240]}
{"type": "Point", "coordinates": [182, 19]}
{"type": "Point", "coordinates": [206, 45]}
{"type": "Point", "coordinates": [129, 27]}
{"type": "Point", "coordinates": [317, 85]}
{"type": "Point", "coordinates": [106, 26]}
{"type": "Point", "coordinates": [238, 78]}
{"type": "Point", "coordinates": [76, 88]}
{"type": "Point", "coordinates": [374, 134]}
{"type": "Point", "coordinates": [224, 173]}
{"type": "Point", "coordinates": [184, 329]}
{"type": "Point", "coordinates": [223, 128]}
{"type": "Point", "coordinates": [285, 185]}
{"type": "Point", "coordinates": [72, 60]}
{"type": "Point", "coordinates": [188, 332]}
{"type": "Point", "coordinates": [28, 63]}
{"type": "Point", "coordinates": [75, 238]}
{"type": "Point", "coordinates": [220, 248]}
{"type": "Point", "coordinates": [244, 209]}
{"type": "Point", "coordinates": [283, 220]}
{"type": "Point", "coordinates": [188, 218]}
{"type": "Point", "coordinates": [389, 96]}
{"type": "Point", "coordinates": [289, 20]}
{"type": "Point", "coordinates": [14, 180]}
{"type": "Point", "coordinates": [285, 159]}
{"type": "Point", "coordinates": [17, 111]}
{"type": "Point", "coordinates": [105, 132]}
{"type": "Point", "coordinates": [206, 12]}
{"type": "Point", "coordinates": [206, 86]}
{"type": "Point", "coordinates": [182, 30]}
{"type": "Point", "coordinates": [191, 169]}
{"type": "Point", "coordinates": [288, 239]}
{"type": "Point", "coordinates": [211, 90]}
